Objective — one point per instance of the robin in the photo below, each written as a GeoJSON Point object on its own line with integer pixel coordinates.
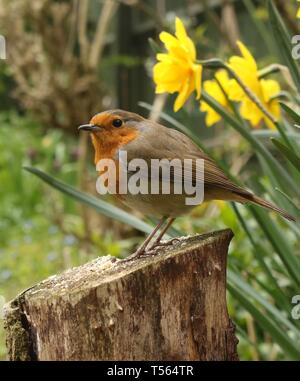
{"type": "Point", "coordinates": [114, 131]}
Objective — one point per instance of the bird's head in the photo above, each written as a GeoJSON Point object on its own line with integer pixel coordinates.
{"type": "Point", "coordinates": [111, 129]}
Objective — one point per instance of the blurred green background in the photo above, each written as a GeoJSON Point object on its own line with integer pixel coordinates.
{"type": "Point", "coordinates": [67, 60]}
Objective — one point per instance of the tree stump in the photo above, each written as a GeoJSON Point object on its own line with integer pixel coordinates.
{"type": "Point", "coordinates": [168, 307]}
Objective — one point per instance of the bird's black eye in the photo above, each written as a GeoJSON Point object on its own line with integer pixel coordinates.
{"type": "Point", "coordinates": [117, 122]}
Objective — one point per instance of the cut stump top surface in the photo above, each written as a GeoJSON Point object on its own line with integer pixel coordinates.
{"type": "Point", "coordinates": [107, 268]}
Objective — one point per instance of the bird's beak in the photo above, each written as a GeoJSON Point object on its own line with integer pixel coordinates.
{"type": "Point", "coordinates": [89, 127]}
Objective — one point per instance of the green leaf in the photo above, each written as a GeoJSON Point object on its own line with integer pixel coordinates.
{"type": "Point", "coordinates": [212, 63]}
{"type": "Point", "coordinates": [283, 133]}
{"type": "Point", "coordinates": [101, 206]}
{"type": "Point", "coordinates": [268, 322]}
{"type": "Point", "coordinates": [267, 134]}
{"type": "Point", "coordinates": [154, 46]}
{"type": "Point", "coordinates": [248, 290]}
{"type": "Point", "coordinates": [283, 39]}
{"type": "Point", "coordinates": [260, 26]}
{"type": "Point", "coordinates": [291, 113]}
{"type": "Point", "coordinates": [280, 243]}
{"type": "Point", "coordinates": [261, 255]}
{"type": "Point", "coordinates": [287, 153]}
{"type": "Point", "coordinates": [292, 202]}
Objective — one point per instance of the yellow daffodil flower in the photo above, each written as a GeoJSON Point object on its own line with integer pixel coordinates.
{"type": "Point", "coordinates": [177, 70]}
{"type": "Point", "coordinates": [213, 89]}
{"type": "Point", "coordinates": [298, 13]}
{"type": "Point", "coordinates": [265, 89]}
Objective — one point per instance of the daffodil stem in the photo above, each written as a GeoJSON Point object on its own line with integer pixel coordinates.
{"type": "Point", "coordinates": [275, 68]}
{"type": "Point", "coordinates": [251, 95]}
{"type": "Point", "coordinates": [271, 69]}
{"type": "Point", "coordinates": [219, 64]}
{"type": "Point", "coordinates": [282, 95]}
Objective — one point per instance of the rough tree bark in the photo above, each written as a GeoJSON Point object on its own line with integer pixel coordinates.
{"type": "Point", "coordinates": [168, 307]}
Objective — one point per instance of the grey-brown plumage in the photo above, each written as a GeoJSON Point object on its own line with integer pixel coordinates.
{"type": "Point", "coordinates": [159, 142]}
{"type": "Point", "coordinates": [117, 130]}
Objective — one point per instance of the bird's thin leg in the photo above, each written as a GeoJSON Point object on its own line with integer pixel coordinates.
{"type": "Point", "coordinates": [161, 234]}
{"type": "Point", "coordinates": [141, 250]}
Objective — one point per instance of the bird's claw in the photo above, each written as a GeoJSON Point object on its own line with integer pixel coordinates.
{"type": "Point", "coordinates": [163, 244]}
{"type": "Point", "coordinates": [151, 251]}
{"type": "Point", "coordinates": [138, 254]}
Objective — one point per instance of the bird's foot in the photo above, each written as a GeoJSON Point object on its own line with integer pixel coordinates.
{"type": "Point", "coordinates": [138, 254]}
{"type": "Point", "coordinates": [144, 252]}
{"type": "Point", "coordinates": [156, 244]}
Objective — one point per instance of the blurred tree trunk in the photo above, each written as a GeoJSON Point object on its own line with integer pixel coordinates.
{"type": "Point", "coordinates": [230, 23]}
{"type": "Point", "coordinates": [55, 62]}
{"type": "Point", "coordinates": [168, 307]}
{"type": "Point", "coordinates": [227, 24]}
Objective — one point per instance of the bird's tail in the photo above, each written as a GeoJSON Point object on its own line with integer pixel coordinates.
{"type": "Point", "coordinates": [268, 205]}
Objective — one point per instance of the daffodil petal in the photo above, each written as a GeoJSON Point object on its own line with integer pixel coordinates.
{"type": "Point", "coordinates": [270, 88]}
{"type": "Point", "coordinates": [275, 109]}
{"type": "Point", "coordinates": [168, 73]}
{"type": "Point", "coordinates": [212, 116]}
{"type": "Point", "coordinates": [180, 30]}
{"type": "Point", "coordinates": [235, 93]}
{"type": "Point", "coordinates": [224, 80]}
{"type": "Point", "coordinates": [181, 54]}
{"type": "Point", "coordinates": [191, 48]}
{"type": "Point", "coordinates": [184, 39]}
{"type": "Point", "coordinates": [182, 97]}
{"type": "Point", "coordinates": [164, 57]}
{"type": "Point", "coordinates": [251, 112]}
{"type": "Point", "coordinates": [212, 87]}
{"type": "Point", "coordinates": [204, 106]}
{"type": "Point", "coordinates": [166, 88]}
{"type": "Point", "coordinates": [269, 123]}
{"type": "Point", "coordinates": [247, 55]}
{"type": "Point", "coordinates": [168, 39]}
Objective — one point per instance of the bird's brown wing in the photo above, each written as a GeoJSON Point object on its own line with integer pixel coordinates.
{"type": "Point", "coordinates": [159, 142]}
